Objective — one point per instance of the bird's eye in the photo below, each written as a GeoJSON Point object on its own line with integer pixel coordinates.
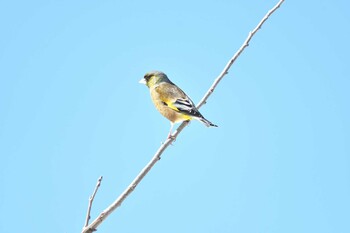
{"type": "Point", "coordinates": [147, 77]}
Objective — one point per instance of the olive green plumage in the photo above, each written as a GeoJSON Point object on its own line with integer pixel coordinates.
{"type": "Point", "coordinates": [170, 100]}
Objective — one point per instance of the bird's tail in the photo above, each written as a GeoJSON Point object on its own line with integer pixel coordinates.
{"type": "Point", "coordinates": [206, 122]}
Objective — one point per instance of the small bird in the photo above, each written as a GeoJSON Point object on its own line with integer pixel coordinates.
{"type": "Point", "coordinates": [171, 101]}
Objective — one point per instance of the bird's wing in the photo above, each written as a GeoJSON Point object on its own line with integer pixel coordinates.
{"type": "Point", "coordinates": [173, 97]}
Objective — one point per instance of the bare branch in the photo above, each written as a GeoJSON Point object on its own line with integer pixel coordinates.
{"type": "Point", "coordinates": [157, 156]}
{"type": "Point", "coordinates": [92, 227]}
{"type": "Point", "coordinates": [241, 49]}
{"type": "Point", "coordinates": [91, 199]}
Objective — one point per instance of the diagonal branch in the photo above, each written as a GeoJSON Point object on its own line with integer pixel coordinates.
{"type": "Point", "coordinates": [92, 227]}
{"type": "Point", "coordinates": [233, 59]}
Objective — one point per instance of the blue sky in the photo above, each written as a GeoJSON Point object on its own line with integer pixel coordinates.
{"type": "Point", "coordinates": [71, 109]}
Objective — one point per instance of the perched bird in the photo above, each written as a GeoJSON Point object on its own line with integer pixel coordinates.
{"type": "Point", "coordinates": [171, 101]}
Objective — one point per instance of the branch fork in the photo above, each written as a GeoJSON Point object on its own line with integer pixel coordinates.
{"type": "Point", "coordinates": [89, 228]}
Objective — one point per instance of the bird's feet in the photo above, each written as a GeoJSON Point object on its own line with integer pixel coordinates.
{"type": "Point", "coordinates": [172, 137]}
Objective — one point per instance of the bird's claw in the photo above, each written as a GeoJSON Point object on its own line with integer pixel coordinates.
{"type": "Point", "coordinates": [171, 137]}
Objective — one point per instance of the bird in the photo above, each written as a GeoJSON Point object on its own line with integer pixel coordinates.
{"type": "Point", "coordinates": [171, 101]}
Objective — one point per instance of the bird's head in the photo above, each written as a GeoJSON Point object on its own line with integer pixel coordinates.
{"type": "Point", "coordinates": [153, 78]}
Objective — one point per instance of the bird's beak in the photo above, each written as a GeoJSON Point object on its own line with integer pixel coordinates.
{"type": "Point", "coordinates": [143, 81]}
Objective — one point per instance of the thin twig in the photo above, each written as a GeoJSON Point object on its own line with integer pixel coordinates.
{"type": "Point", "coordinates": [91, 199]}
{"type": "Point", "coordinates": [92, 227]}
{"type": "Point", "coordinates": [157, 155]}
{"type": "Point", "coordinates": [233, 59]}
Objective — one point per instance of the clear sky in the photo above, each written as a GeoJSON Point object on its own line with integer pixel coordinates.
{"type": "Point", "coordinates": [71, 109]}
